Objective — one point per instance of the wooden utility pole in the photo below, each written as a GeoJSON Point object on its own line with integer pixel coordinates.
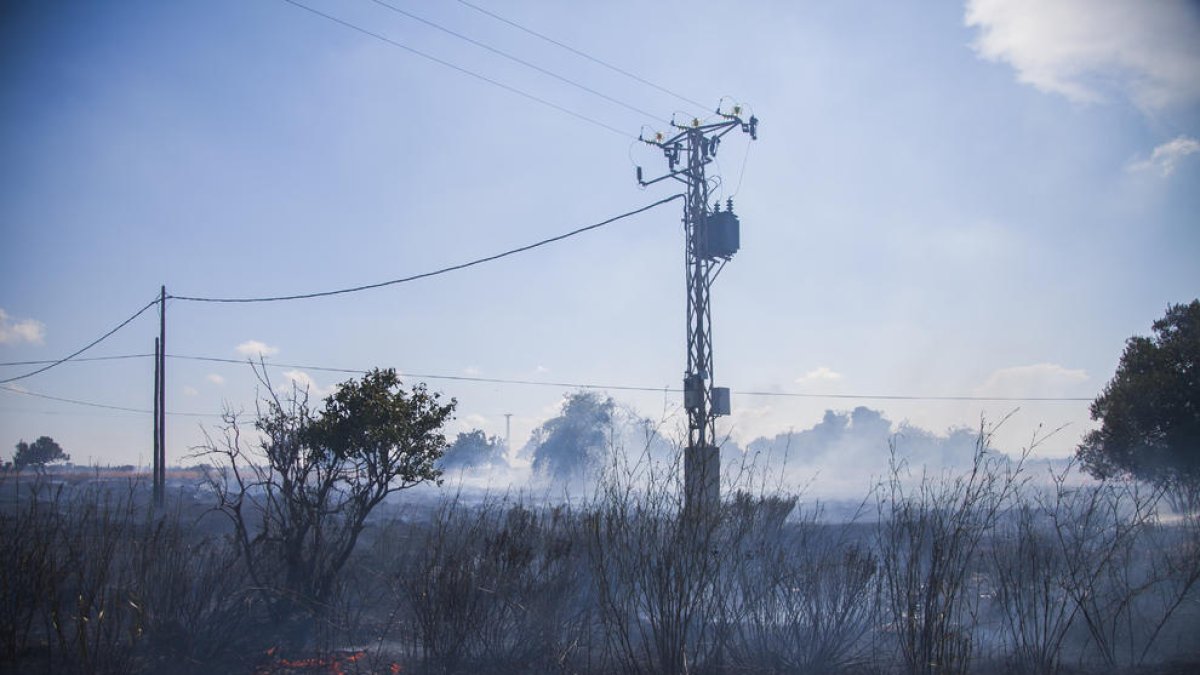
{"type": "Point", "coordinates": [160, 460]}
{"type": "Point", "coordinates": [157, 492]}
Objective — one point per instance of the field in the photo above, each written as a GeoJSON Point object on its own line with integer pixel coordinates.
{"type": "Point", "coordinates": [979, 571]}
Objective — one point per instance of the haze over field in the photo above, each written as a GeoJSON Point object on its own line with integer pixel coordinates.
{"type": "Point", "coordinates": [974, 200]}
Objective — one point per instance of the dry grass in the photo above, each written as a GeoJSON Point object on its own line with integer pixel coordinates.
{"type": "Point", "coordinates": [972, 572]}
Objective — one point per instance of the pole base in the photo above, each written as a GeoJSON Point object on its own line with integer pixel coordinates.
{"type": "Point", "coordinates": [702, 480]}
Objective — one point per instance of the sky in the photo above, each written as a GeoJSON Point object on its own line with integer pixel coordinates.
{"type": "Point", "coordinates": [946, 199]}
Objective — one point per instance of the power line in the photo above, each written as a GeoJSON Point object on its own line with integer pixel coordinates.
{"type": "Point", "coordinates": [584, 385]}
{"type": "Point", "coordinates": [93, 404]}
{"type": "Point", "coordinates": [460, 69]}
{"type": "Point", "coordinates": [118, 357]}
{"type": "Point", "coordinates": [519, 60]}
{"type": "Point", "coordinates": [90, 404]}
{"type": "Point", "coordinates": [91, 344]}
{"type": "Point", "coordinates": [901, 397]}
{"type": "Point", "coordinates": [59, 413]}
{"type": "Point", "coordinates": [425, 376]}
{"type": "Point", "coordinates": [424, 275]}
{"type": "Point", "coordinates": [742, 173]}
{"type": "Point", "coordinates": [625, 387]}
{"type": "Point", "coordinates": [589, 57]}
{"type": "Point", "coordinates": [242, 362]}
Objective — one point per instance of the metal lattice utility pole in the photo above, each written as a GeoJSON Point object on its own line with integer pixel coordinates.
{"type": "Point", "coordinates": [711, 238]}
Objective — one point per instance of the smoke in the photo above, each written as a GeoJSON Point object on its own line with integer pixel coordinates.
{"type": "Point", "coordinates": [840, 457]}
{"type": "Point", "coordinates": [844, 454]}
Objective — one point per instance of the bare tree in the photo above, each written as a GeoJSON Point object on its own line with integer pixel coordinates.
{"type": "Point", "coordinates": [1125, 572]}
{"type": "Point", "coordinates": [929, 537]}
{"type": "Point", "coordinates": [656, 571]}
{"type": "Point", "coordinates": [805, 596]}
{"type": "Point", "coordinates": [1031, 589]}
{"type": "Point", "coordinates": [495, 586]}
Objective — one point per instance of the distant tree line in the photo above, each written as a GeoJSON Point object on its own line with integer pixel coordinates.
{"type": "Point", "coordinates": [37, 455]}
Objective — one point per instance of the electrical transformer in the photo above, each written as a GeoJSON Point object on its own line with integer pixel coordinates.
{"type": "Point", "coordinates": [720, 236]}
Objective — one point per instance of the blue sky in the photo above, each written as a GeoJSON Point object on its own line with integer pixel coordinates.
{"type": "Point", "coordinates": [946, 199]}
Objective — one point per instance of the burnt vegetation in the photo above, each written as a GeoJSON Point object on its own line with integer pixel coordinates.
{"type": "Point", "coordinates": [313, 541]}
{"type": "Point", "coordinates": [1003, 566]}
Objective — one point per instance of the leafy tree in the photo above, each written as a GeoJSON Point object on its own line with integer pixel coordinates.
{"type": "Point", "coordinates": [300, 499]}
{"type": "Point", "coordinates": [1150, 411]}
{"type": "Point", "coordinates": [38, 454]}
{"type": "Point", "coordinates": [570, 445]}
{"type": "Point", "coordinates": [472, 449]}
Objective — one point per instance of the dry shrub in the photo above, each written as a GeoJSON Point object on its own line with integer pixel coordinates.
{"type": "Point", "coordinates": [497, 585]}
{"type": "Point", "coordinates": [929, 538]}
{"type": "Point", "coordinates": [103, 584]}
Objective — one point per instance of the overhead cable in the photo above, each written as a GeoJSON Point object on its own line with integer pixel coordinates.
{"type": "Point", "coordinates": [117, 357]}
{"type": "Point", "coordinates": [425, 275]}
{"type": "Point", "coordinates": [580, 385]}
{"type": "Point", "coordinates": [521, 61]}
{"type": "Point", "coordinates": [901, 397]}
{"type": "Point", "coordinates": [93, 404]}
{"type": "Point", "coordinates": [426, 376]}
{"type": "Point", "coordinates": [626, 387]}
{"type": "Point", "coordinates": [585, 55]}
{"type": "Point", "coordinates": [91, 344]}
{"type": "Point", "coordinates": [464, 71]}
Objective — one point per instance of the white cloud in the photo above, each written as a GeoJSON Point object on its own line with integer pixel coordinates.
{"type": "Point", "coordinates": [472, 371]}
{"type": "Point", "coordinates": [190, 391]}
{"type": "Point", "coordinates": [1167, 156]}
{"type": "Point", "coordinates": [304, 382]}
{"type": "Point", "coordinates": [254, 349]}
{"type": "Point", "coordinates": [215, 379]}
{"type": "Point", "coordinates": [1087, 50]}
{"type": "Point", "coordinates": [473, 421]}
{"type": "Point", "coordinates": [23, 330]}
{"type": "Point", "coordinates": [821, 375]}
{"type": "Point", "coordinates": [1035, 381]}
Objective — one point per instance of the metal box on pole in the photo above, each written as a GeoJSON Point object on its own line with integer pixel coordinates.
{"type": "Point", "coordinates": [721, 236]}
{"type": "Point", "coordinates": [720, 401]}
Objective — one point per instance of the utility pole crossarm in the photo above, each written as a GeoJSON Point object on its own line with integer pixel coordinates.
{"type": "Point", "coordinates": [673, 146]}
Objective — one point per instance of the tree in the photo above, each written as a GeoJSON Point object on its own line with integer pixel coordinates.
{"type": "Point", "coordinates": [570, 445]}
{"type": "Point", "coordinates": [41, 452]}
{"type": "Point", "coordinates": [300, 500]}
{"type": "Point", "coordinates": [472, 449]}
{"type": "Point", "coordinates": [1150, 411]}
